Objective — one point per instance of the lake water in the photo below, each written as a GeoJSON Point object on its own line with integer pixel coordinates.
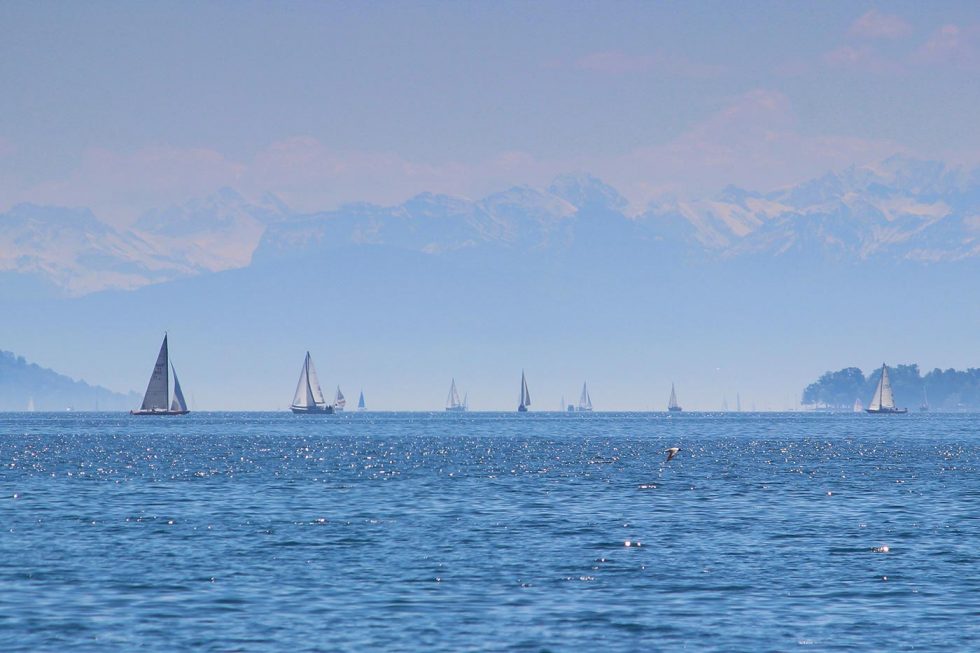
{"type": "Point", "coordinates": [237, 531]}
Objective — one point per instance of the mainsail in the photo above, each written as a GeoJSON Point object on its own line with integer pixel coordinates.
{"type": "Point", "coordinates": [883, 398]}
{"type": "Point", "coordinates": [339, 402]}
{"type": "Point", "coordinates": [525, 395]}
{"type": "Point", "coordinates": [158, 390]}
{"type": "Point", "coordinates": [178, 405]}
{"type": "Point", "coordinates": [858, 406]}
{"type": "Point", "coordinates": [452, 400]}
{"type": "Point", "coordinates": [360, 401]}
{"type": "Point", "coordinates": [585, 401]}
{"type": "Point", "coordinates": [308, 393]}
{"type": "Point", "coordinates": [672, 404]}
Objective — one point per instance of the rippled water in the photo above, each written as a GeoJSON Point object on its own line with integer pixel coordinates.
{"type": "Point", "coordinates": [493, 532]}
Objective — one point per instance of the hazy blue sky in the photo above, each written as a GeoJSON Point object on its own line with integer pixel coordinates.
{"type": "Point", "coordinates": [121, 106]}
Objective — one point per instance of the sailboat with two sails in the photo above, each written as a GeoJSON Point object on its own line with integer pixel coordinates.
{"type": "Point", "coordinates": [308, 399]}
{"type": "Point", "coordinates": [525, 395]}
{"type": "Point", "coordinates": [339, 401]}
{"type": "Point", "coordinates": [584, 401]}
{"type": "Point", "coordinates": [157, 401]}
{"type": "Point", "coordinates": [883, 402]}
{"type": "Point", "coordinates": [453, 403]}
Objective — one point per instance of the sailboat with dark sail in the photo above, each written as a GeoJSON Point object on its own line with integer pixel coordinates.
{"type": "Point", "coordinates": [360, 402]}
{"type": "Point", "coordinates": [584, 401]}
{"type": "Point", "coordinates": [309, 399]}
{"type": "Point", "coordinates": [672, 404]}
{"type": "Point", "coordinates": [157, 401]}
{"type": "Point", "coordinates": [883, 402]}
{"type": "Point", "coordinates": [453, 404]}
{"type": "Point", "coordinates": [525, 395]}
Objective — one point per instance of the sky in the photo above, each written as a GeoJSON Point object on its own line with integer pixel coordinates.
{"type": "Point", "coordinates": [122, 107]}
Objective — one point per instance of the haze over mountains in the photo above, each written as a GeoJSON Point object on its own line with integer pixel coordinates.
{"type": "Point", "coordinates": [743, 292]}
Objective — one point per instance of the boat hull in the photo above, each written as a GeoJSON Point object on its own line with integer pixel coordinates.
{"type": "Point", "coordinates": [887, 411]}
{"type": "Point", "coordinates": [314, 410]}
{"type": "Point", "coordinates": [675, 409]}
{"type": "Point", "coordinates": [522, 408]}
{"type": "Point", "coordinates": [159, 412]}
{"type": "Point", "coordinates": [456, 409]}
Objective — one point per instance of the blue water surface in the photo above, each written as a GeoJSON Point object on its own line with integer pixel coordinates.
{"type": "Point", "coordinates": [250, 532]}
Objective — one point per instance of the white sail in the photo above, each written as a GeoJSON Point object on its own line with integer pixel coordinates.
{"type": "Point", "coordinates": [883, 398]}
{"type": "Point", "coordinates": [452, 401]}
{"type": "Point", "coordinates": [585, 401]}
{"type": "Point", "coordinates": [525, 394]}
{"type": "Point", "coordinates": [30, 405]}
{"type": "Point", "coordinates": [339, 401]}
{"type": "Point", "coordinates": [672, 404]}
{"type": "Point", "coordinates": [158, 389]}
{"type": "Point", "coordinates": [858, 406]}
{"type": "Point", "coordinates": [308, 393]}
{"type": "Point", "coordinates": [178, 405]}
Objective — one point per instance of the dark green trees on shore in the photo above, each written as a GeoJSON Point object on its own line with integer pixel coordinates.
{"type": "Point", "coordinates": [943, 389]}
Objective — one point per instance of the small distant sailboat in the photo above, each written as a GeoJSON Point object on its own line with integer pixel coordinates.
{"type": "Point", "coordinates": [157, 401]}
{"type": "Point", "coordinates": [30, 405]}
{"type": "Point", "coordinates": [563, 403]}
{"type": "Point", "coordinates": [924, 406]}
{"type": "Point", "coordinates": [883, 402]}
{"type": "Point", "coordinates": [858, 406]}
{"type": "Point", "coordinates": [339, 401]}
{"type": "Point", "coordinates": [360, 402]}
{"type": "Point", "coordinates": [738, 403]}
{"type": "Point", "coordinates": [672, 404]}
{"type": "Point", "coordinates": [453, 404]}
{"type": "Point", "coordinates": [584, 401]}
{"type": "Point", "coordinates": [525, 395]}
{"type": "Point", "coordinates": [309, 397]}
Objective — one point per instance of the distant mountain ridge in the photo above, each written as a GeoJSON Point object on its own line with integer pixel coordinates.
{"type": "Point", "coordinates": [900, 209]}
{"type": "Point", "coordinates": [26, 385]}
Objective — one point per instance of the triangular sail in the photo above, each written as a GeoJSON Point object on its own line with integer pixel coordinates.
{"type": "Point", "coordinates": [178, 405]}
{"type": "Point", "coordinates": [673, 397]}
{"type": "Point", "coordinates": [158, 390]}
{"type": "Point", "coordinates": [883, 397]}
{"type": "Point", "coordinates": [308, 393]}
{"type": "Point", "coordinates": [360, 401]}
{"type": "Point", "coordinates": [452, 401]}
{"type": "Point", "coordinates": [339, 400]}
{"type": "Point", "coordinates": [525, 395]}
{"type": "Point", "coordinates": [583, 400]}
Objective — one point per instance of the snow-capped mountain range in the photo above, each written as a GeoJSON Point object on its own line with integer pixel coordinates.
{"type": "Point", "coordinates": [899, 209]}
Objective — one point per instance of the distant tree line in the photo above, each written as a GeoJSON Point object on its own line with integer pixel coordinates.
{"type": "Point", "coordinates": [946, 390]}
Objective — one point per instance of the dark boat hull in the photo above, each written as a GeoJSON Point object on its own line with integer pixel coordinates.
{"type": "Point", "coordinates": [159, 412]}
{"type": "Point", "coordinates": [456, 409]}
{"type": "Point", "coordinates": [675, 409]}
{"type": "Point", "coordinates": [302, 410]}
{"type": "Point", "coordinates": [887, 411]}
{"type": "Point", "coordinates": [522, 408]}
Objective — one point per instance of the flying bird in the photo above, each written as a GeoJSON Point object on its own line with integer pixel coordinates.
{"type": "Point", "coordinates": [671, 453]}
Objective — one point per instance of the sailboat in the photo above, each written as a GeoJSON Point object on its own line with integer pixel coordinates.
{"type": "Point", "coordinates": [584, 401]}
{"type": "Point", "coordinates": [883, 402]}
{"type": "Point", "coordinates": [339, 401]}
{"type": "Point", "coordinates": [858, 406]}
{"type": "Point", "coordinates": [30, 405]}
{"type": "Point", "coordinates": [525, 395]}
{"type": "Point", "coordinates": [309, 397]}
{"type": "Point", "coordinates": [360, 402]}
{"type": "Point", "coordinates": [157, 401]}
{"type": "Point", "coordinates": [563, 404]}
{"type": "Point", "coordinates": [924, 406]}
{"type": "Point", "coordinates": [672, 405]}
{"type": "Point", "coordinates": [453, 404]}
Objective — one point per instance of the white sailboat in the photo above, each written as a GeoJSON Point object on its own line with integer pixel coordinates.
{"type": "Point", "coordinates": [584, 401]}
{"type": "Point", "coordinates": [30, 405]}
{"type": "Point", "coordinates": [360, 402]}
{"type": "Point", "coordinates": [339, 401]}
{"type": "Point", "coordinates": [309, 397]}
{"type": "Point", "coordinates": [883, 402]}
{"type": "Point", "coordinates": [453, 404]}
{"type": "Point", "coordinates": [525, 395]}
{"type": "Point", "coordinates": [672, 404]}
{"type": "Point", "coordinates": [157, 401]}
{"type": "Point", "coordinates": [858, 406]}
